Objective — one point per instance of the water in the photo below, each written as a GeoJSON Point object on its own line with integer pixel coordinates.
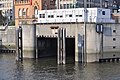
{"type": "Point", "coordinates": [46, 69]}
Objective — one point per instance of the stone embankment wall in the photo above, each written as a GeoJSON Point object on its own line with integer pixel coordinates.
{"type": "Point", "coordinates": [111, 41]}
{"type": "Point", "coordinates": [7, 38]}
{"type": "Point", "coordinates": [98, 45]}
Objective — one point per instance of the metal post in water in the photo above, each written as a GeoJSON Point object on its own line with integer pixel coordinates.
{"type": "Point", "coordinates": [64, 50]}
{"type": "Point", "coordinates": [61, 46]}
{"type": "Point", "coordinates": [85, 31]}
{"type": "Point", "coordinates": [58, 60]}
{"type": "Point", "coordinates": [19, 44]}
{"type": "Point", "coordinates": [0, 40]}
{"type": "Point", "coordinates": [21, 49]}
{"type": "Point", "coordinates": [36, 47]}
{"type": "Point", "coordinates": [82, 49]}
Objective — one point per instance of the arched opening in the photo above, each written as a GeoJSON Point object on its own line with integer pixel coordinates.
{"type": "Point", "coordinates": [24, 12]}
{"type": "Point", "coordinates": [20, 13]}
{"type": "Point", "coordinates": [27, 12]}
{"type": "Point", "coordinates": [35, 11]}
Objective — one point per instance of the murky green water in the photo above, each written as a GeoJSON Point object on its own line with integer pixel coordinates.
{"type": "Point", "coordinates": [46, 69]}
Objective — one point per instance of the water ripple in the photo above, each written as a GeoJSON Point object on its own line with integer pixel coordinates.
{"type": "Point", "coordinates": [47, 69]}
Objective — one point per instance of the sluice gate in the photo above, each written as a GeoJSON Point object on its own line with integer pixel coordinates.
{"type": "Point", "coordinates": [57, 46]}
{"type": "Point", "coordinates": [60, 47]}
{"type": "Point", "coordinates": [46, 47]}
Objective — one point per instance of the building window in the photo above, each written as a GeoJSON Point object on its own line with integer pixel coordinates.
{"type": "Point", "coordinates": [50, 16]}
{"type": "Point", "coordinates": [20, 12]}
{"type": "Point", "coordinates": [70, 15]}
{"type": "Point", "coordinates": [52, 2]}
{"type": "Point", "coordinates": [103, 12]}
{"type": "Point", "coordinates": [10, 17]}
{"type": "Point", "coordinates": [71, 5]}
{"type": "Point", "coordinates": [114, 47]}
{"type": "Point", "coordinates": [61, 6]}
{"type": "Point", "coordinates": [41, 15]}
{"type": "Point", "coordinates": [59, 16]}
{"type": "Point", "coordinates": [87, 5]}
{"type": "Point", "coordinates": [24, 12]}
{"type": "Point", "coordinates": [67, 6]}
{"type": "Point", "coordinates": [27, 13]}
{"type": "Point", "coordinates": [45, 6]}
{"type": "Point", "coordinates": [35, 10]}
{"type": "Point", "coordinates": [114, 39]}
{"type": "Point", "coordinates": [78, 15]}
{"type": "Point", "coordinates": [114, 31]}
{"type": "Point", "coordinates": [11, 11]}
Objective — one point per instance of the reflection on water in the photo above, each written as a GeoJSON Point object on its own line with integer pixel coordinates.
{"type": "Point", "coordinates": [47, 69]}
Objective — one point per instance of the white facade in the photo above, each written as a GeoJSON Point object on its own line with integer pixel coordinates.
{"type": "Point", "coordinates": [7, 8]}
{"type": "Point", "coordinates": [75, 15]}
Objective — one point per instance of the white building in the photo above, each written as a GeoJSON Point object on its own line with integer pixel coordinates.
{"type": "Point", "coordinates": [7, 8]}
{"type": "Point", "coordinates": [96, 15]}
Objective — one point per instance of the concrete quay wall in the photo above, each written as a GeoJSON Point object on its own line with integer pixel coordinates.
{"type": "Point", "coordinates": [77, 30]}
{"type": "Point", "coordinates": [8, 38]}
{"type": "Point", "coordinates": [99, 46]}
{"type": "Point", "coordinates": [29, 41]}
{"type": "Point", "coordinates": [111, 41]}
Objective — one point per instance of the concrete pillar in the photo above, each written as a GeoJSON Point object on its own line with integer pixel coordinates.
{"type": "Point", "coordinates": [64, 45]}
{"type": "Point", "coordinates": [29, 41]}
{"type": "Point", "coordinates": [76, 43]}
{"type": "Point", "coordinates": [79, 56]}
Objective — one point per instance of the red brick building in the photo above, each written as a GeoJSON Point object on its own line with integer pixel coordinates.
{"type": "Point", "coordinates": [26, 10]}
